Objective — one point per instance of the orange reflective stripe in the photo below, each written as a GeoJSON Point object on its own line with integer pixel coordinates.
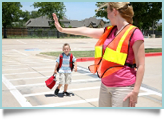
{"type": "Point", "coordinates": [104, 36]}
{"type": "Point", "coordinates": [111, 71]}
{"type": "Point", "coordinates": [117, 56]}
{"type": "Point", "coordinates": [123, 39]}
{"type": "Point", "coordinates": [99, 50]}
{"type": "Point", "coordinates": [124, 49]}
{"type": "Point", "coordinates": [104, 65]}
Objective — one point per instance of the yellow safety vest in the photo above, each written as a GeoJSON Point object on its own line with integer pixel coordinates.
{"type": "Point", "coordinates": [115, 55]}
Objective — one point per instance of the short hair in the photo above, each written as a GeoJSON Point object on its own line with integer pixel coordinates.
{"type": "Point", "coordinates": [66, 44]}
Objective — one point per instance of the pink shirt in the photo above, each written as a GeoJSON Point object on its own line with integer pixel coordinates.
{"type": "Point", "coordinates": [126, 76]}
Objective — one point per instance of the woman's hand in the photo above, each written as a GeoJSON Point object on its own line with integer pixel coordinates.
{"type": "Point", "coordinates": [133, 96]}
{"type": "Point", "coordinates": [57, 24]}
{"type": "Point", "coordinates": [84, 31]}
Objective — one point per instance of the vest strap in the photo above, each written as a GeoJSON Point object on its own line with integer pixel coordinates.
{"type": "Point", "coordinates": [130, 65]}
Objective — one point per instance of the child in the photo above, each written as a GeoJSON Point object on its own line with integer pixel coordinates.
{"type": "Point", "coordinates": [64, 69]}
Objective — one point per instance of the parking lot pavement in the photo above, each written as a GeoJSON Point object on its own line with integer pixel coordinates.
{"type": "Point", "coordinates": [24, 75]}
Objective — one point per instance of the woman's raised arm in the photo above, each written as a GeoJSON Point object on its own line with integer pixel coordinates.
{"type": "Point", "coordinates": [84, 31]}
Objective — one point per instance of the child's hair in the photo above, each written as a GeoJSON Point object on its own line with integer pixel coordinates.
{"type": "Point", "coordinates": [66, 44]}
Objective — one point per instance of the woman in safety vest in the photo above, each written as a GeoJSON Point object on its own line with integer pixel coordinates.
{"type": "Point", "coordinates": [119, 55]}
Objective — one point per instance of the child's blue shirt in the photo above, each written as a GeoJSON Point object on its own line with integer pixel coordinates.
{"type": "Point", "coordinates": [65, 68]}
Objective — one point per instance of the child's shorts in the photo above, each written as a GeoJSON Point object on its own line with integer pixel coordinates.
{"type": "Point", "coordinates": [65, 78]}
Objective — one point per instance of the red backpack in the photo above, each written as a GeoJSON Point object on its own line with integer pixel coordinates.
{"type": "Point", "coordinates": [71, 63]}
{"type": "Point", "coordinates": [50, 82]}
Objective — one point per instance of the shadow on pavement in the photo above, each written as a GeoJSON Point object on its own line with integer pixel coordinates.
{"type": "Point", "coordinates": [59, 95]}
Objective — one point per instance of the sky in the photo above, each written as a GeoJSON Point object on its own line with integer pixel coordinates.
{"type": "Point", "coordinates": [74, 10]}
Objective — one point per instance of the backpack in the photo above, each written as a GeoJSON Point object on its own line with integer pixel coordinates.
{"type": "Point", "coordinates": [71, 63]}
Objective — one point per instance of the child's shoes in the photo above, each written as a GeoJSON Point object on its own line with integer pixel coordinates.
{"type": "Point", "coordinates": [66, 93]}
{"type": "Point", "coordinates": [56, 91]}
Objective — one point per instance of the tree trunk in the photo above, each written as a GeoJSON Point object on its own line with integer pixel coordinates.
{"type": "Point", "coordinates": [4, 32]}
{"type": "Point", "coordinates": [58, 34]}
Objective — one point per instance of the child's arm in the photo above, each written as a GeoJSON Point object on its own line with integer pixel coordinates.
{"type": "Point", "coordinates": [75, 67]}
{"type": "Point", "coordinates": [56, 66]}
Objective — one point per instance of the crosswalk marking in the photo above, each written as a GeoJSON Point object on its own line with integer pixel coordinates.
{"type": "Point", "coordinates": [21, 98]}
{"type": "Point", "coordinates": [69, 103]}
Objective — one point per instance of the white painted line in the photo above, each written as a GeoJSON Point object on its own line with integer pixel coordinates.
{"type": "Point", "coordinates": [72, 102]}
{"type": "Point", "coordinates": [11, 64]}
{"type": "Point", "coordinates": [40, 62]}
{"type": "Point", "coordinates": [44, 72]}
{"type": "Point", "coordinates": [70, 90]}
{"type": "Point", "coordinates": [27, 72]}
{"type": "Point", "coordinates": [30, 85]}
{"type": "Point", "coordinates": [26, 68]}
{"type": "Point", "coordinates": [73, 81]}
{"type": "Point", "coordinates": [8, 61]}
{"type": "Point", "coordinates": [83, 69]}
{"type": "Point", "coordinates": [151, 91]}
{"type": "Point", "coordinates": [9, 55]}
{"type": "Point", "coordinates": [52, 67]}
{"type": "Point", "coordinates": [15, 69]}
{"type": "Point", "coordinates": [16, 65]}
{"type": "Point", "coordinates": [30, 64]}
{"type": "Point", "coordinates": [28, 78]}
{"type": "Point", "coordinates": [48, 60]}
{"type": "Point", "coordinates": [18, 96]}
{"type": "Point", "coordinates": [146, 93]}
{"type": "Point", "coordinates": [46, 77]}
{"type": "Point", "coordinates": [39, 67]}
{"type": "Point", "coordinates": [69, 103]}
{"type": "Point", "coordinates": [21, 42]}
{"type": "Point", "coordinates": [20, 52]}
{"type": "Point", "coordinates": [43, 41]}
{"type": "Point", "coordinates": [81, 89]}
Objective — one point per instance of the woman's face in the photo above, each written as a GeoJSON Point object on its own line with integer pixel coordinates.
{"type": "Point", "coordinates": [111, 16]}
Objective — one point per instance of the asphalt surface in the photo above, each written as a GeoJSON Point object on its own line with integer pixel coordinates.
{"type": "Point", "coordinates": [24, 74]}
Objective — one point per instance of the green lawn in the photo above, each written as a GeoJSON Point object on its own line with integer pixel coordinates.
{"type": "Point", "coordinates": [150, 50]}
{"type": "Point", "coordinates": [79, 54]}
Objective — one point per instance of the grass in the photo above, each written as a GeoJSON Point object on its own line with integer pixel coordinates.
{"type": "Point", "coordinates": [44, 37]}
{"type": "Point", "coordinates": [150, 50]}
{"type": "Point", "coordinates": [79, 54]}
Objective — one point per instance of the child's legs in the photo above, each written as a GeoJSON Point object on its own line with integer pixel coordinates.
{"type": "Point", "coordinates": [65, 87]}
{"type": "Point", "coordinates": [61, 80]}
{"type": "Point", "coordinates": [67, 81]}
{"type": "Point", "coordinates": [59, 86]}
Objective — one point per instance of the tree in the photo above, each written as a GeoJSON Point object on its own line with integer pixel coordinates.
{"type": "Point", "coordinates": [10, 13]}
{"type": "Point", "coordinates": [26, 15]}
{"type": "Point", "coordinates": [145, 13]}
{"type": "Point", "coordinates": [47, 8]}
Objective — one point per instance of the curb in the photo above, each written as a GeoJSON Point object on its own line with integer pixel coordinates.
{"type": "Point", "coordinates": [153, 54]}
{"type": "Point", "coordinates": [85, 59]}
